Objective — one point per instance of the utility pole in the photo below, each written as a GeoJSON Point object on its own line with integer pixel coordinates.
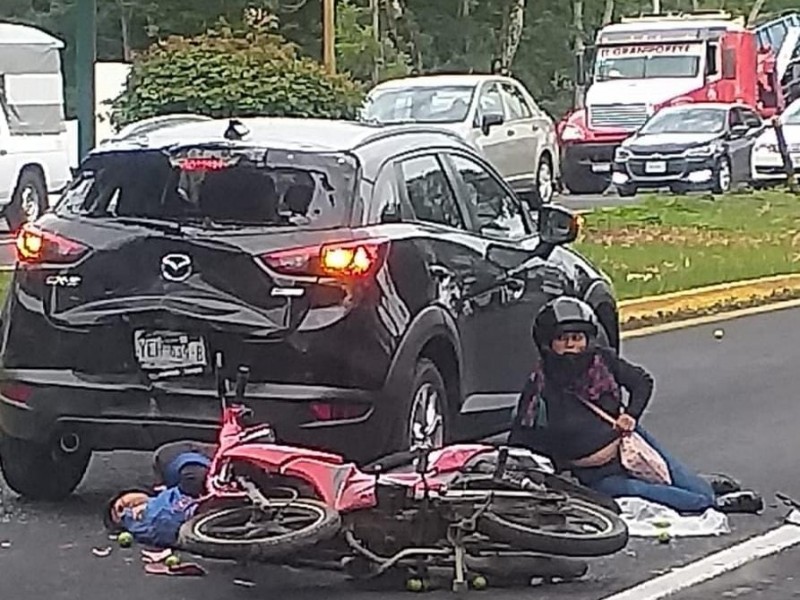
{"type": "Point", "coordinates": [329, 36]}
{"type": "Point", "coordinates": [85, 56]}
{"type": "Point", "coordinates": [376, 34]}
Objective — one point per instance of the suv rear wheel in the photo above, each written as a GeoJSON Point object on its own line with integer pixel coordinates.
{"type": "Point", "coordinates": [40, 471]}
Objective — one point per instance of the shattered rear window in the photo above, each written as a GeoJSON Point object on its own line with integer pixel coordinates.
{"type": "Point", "coordinates": [253, 187]}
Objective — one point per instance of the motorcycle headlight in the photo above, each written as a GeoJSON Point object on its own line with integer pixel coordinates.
{"type": "Point", "coordinates": [622, 154]}
{"type": "Point", "coordinates": [703, 151]}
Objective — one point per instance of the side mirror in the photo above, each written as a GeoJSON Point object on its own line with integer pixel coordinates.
{"type": "Point", "coordinates": [580, 68]}
{"type": "Point", "coordinates": [557, 226]}
{"type": "Point", "coordinates": [490, 120]}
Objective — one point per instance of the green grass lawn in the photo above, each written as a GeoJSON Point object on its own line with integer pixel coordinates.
{"type": "Point", "coordinates": [671, 243]}
{"type": "Point", "coordinates": [5, 280]}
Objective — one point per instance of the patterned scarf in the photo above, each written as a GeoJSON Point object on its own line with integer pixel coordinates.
{"type": "Point", "coordinates": [596, 382]}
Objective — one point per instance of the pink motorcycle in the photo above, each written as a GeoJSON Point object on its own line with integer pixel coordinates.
{"type": "Point", "coordinates": [472, 508]}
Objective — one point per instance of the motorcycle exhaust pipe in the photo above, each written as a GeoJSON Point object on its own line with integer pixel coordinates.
{"type": "Point", "coordinates": [69, 443]}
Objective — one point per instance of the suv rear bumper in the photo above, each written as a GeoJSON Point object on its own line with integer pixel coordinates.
{"type": "Point", "coordinates": [42, 405]}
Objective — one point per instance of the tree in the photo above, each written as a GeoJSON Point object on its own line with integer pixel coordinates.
{"type": "Point", "coordinates": [229, 72]}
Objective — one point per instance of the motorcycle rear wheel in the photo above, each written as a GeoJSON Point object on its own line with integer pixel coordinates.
{"type": "Point", "coordinates": [247, 532]}
{"type": "Point", "coordinates": [608, 534]}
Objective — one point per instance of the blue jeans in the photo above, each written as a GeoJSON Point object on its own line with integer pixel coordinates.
{"type": "Point", "coordinates": [688, 492]}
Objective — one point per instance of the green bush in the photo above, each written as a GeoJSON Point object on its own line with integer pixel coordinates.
{"type": "Point", "coordinates": [227, 73]}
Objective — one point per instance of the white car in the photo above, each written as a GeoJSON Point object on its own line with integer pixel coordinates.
{"type": "Point", "coordinates": [766, 159]}
{"type": "Point", "coordinates": [495, 114]}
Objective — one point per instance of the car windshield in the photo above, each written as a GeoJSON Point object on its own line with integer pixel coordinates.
{"type": "Point", "coordinates": [689, 120]}
{"type": "Point", "coordinates": [646, 62]}
{"type": "Point", "coordinates": [254, 188]}
{"type": "Point", "coordinates": [446, 104]}
{"type": "Point", "coordinates": [792, 114]}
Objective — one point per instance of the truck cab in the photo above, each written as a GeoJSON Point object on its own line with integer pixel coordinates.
{"type": "Point", "coordinates": [644, 64]}
{"type": "Point", "coordinates": [34, 144]}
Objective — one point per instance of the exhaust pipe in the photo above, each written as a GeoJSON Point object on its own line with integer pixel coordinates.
{"type": "Point", "coordinates": [69, 443]}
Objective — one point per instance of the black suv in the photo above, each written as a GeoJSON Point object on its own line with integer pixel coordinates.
{"type": "Point", "coordinates": [380, 283]}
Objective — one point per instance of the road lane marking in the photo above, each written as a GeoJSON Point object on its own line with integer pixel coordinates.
{"type": "Point", "coordinates": [709, 319]}
{"type": "Point", "coordinates": [714, 565]}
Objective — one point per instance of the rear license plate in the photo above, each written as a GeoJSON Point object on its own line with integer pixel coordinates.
{"type": "Point", "coordinates": [601, 168]}
{"type": "Point", "coordinates": [170, 353]}
{"type": "Point", "coordinates": [655, 166]}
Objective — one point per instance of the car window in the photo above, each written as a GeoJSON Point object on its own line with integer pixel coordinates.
{"type": "Point", "coordinates": [490, 102]}
{"type": "Point", "coordinates": [429, 192]}
{"type": "Point", "coordinates": [386, 201]}
{"type": "Point", "coordinates": [209, 186]}
{"type": "Point", "coordinates": [735, 117]}
{"type": "Point", "coordinates": [751, 119]}
{"type": "Point", "coordinates": [517, 105]}
{"type": "Point", "coordinates": [499, 214]}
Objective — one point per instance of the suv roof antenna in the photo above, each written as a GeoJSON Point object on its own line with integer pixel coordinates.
{"type": "Point", "coordinates": [236, 130]}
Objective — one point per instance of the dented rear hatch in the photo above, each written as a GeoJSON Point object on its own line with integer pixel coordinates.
{"type": "Point", "coordinates": [158, 256]}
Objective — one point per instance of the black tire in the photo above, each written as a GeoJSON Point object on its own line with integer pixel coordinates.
{"type": "Point", "coordinates": [612, 538]}
{"type": "Point", "coordinates": [545, 167]}
{"type": "Point", "coordinates": [626, 191]}
{"type": "Point", "coordinates": [720, 186]}
{"type": "Point", "coordinates": [30, 182]}
{"type": "Point", "coordinates": [192, 537]}
{"type": "Point", "coordinates": [399, 428]}
{"type": "Point", "coordinates": [41, 472]}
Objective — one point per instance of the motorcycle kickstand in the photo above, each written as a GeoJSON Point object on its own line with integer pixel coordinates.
{"type": "Point", "coordinates": [460, 563]}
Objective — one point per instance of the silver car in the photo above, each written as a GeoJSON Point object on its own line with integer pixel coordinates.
{"type": "Point", "coordinates": [495, 114]}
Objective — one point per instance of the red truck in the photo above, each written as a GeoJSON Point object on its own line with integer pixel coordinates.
{"type": "Point", "coordinates": [644, 64]}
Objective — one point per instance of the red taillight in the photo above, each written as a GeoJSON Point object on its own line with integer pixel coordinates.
{"type": "Point", "coordinates": [16, 392]}
{"type": "Point", "coordinates": [37, 246]}
{"type": "Point", "coordinates": [343, 259]}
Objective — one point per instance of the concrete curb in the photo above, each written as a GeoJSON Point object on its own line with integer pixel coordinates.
{"type": "Point", "coordinates": [704, 298]}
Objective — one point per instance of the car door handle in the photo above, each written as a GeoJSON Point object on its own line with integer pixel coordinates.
{"type": "Point", "coordinates": [3, 151]}
{"type": "Point", "coordinates": [510, 132]}
{"type": "Point", "coordinates": [535, 127]}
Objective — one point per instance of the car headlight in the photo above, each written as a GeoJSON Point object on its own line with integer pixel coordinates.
{"type": "Point", "coordinates": [702, 151]}
{"type": "Point", "coordinates": [570, 133]}
{"type": "Point", "coordinates": [622, 154]}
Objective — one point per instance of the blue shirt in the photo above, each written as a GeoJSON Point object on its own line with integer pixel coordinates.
{"type": "Point", "coordinates": [161, 519]}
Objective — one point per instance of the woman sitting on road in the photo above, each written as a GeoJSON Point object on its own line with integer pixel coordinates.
{"type": "Point", "coordinates": [558, 416]}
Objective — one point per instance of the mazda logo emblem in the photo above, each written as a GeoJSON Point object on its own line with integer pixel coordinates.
{"type": "Point", "coordinates": [176, 267]}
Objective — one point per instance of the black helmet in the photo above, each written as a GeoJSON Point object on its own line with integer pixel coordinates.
{"type": "Point", "coordinates": [563, 315]}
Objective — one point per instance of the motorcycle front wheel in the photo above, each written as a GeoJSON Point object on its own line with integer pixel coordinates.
{"type": "Point", "coordinates": [577, 529]}
{"type": "Point", "coordinates": [248, 532]}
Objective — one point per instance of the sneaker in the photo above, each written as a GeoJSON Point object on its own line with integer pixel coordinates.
{"type": "Point", "coordinates": [722, 484]}
{"type": "Point", "coordinates": [740, 502]}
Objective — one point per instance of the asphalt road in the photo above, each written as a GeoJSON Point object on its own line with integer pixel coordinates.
{"type": "Point", "coordinates": [728, 405]}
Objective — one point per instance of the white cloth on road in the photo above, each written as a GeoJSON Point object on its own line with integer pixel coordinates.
{"type": "Point", "coordinates": [648, 519]}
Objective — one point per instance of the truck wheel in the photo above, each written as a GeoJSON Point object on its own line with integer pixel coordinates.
{"type": "Point", "coordinates": [29, 200]}
{"type": "Point", "coordinates": [39, 471]}
{"type": "Point", "coordinates": [580, 180]}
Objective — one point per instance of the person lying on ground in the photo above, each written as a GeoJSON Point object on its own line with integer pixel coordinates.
{"type": "Point", "coordinates": [155, 517]}
{"type": "Point", "coordinates": [557, 415]}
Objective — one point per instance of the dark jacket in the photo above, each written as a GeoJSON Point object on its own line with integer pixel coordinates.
{"type": "Point", "coordinates": [552, 420]}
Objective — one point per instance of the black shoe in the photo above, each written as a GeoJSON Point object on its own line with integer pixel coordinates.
{"type": "Point", "coordinates": [722, 484]}
{"type": "Point", "coordinates": [740, 502]}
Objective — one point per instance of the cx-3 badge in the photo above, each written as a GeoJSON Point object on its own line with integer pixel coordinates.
{"type": "Point", "coordinates": [176, 267]}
